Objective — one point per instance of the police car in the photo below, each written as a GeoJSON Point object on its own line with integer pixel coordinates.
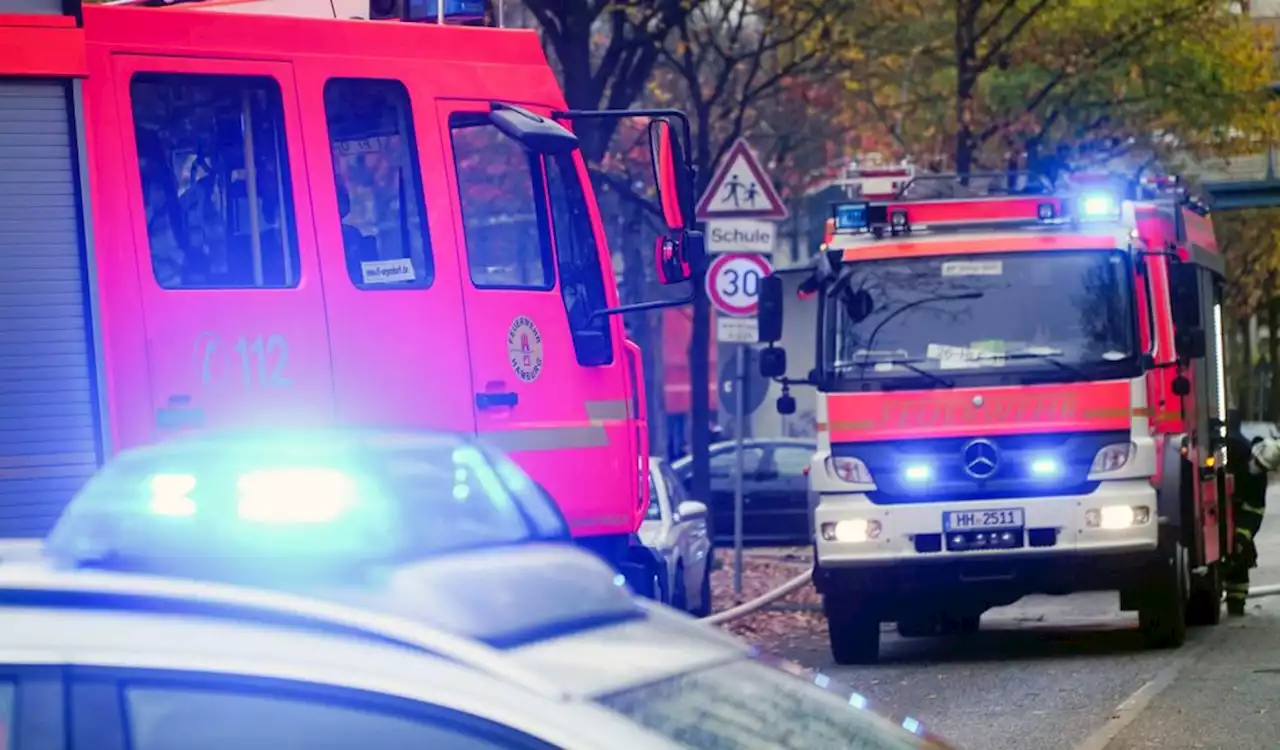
{"type": "Point", "coordinates": [368, 592]}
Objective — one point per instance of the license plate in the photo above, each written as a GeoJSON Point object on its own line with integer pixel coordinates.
{"type": "Point", "coordinates": [968, 520]}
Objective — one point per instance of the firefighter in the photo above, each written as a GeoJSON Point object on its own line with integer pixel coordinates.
{"type": "Point", "coordinates": [1250, 464]}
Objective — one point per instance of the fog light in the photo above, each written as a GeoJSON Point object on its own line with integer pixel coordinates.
{"type": "Point", "coordinates": [1117, 516]}
{"type": "Point", "coordinates": [852, 531]}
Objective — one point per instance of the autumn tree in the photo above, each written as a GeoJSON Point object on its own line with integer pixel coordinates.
{"type": "Point", "coordinates": [971, 85]}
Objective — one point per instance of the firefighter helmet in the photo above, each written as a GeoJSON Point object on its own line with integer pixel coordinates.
{"type": "Point", "coordinates": [1266, 456]}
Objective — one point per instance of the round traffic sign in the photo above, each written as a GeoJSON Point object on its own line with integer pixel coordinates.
{"type": "Point", "coordinates": [757, 386]}
{"type": "Point", "coordinates": [733, 282]}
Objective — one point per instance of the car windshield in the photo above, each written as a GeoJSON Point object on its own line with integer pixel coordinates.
{"type": "Point", "coordinates": [748, 705]}
{"type": "Point", "coordinates": [1042, 316]}
{"type": "Point", "coordinates": [395, 497]}
{"type": "Point", "coordinates": [654, 511]}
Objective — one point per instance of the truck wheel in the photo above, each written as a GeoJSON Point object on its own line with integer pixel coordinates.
{"type": "Point", "coordinates": [854, 631]}
{"type": "Point", "coordinates": [1205, 606]}
{"type": "Point", "coordinates": [1162, 613]}
{"type": "Point", "coordinates": [966, 624]}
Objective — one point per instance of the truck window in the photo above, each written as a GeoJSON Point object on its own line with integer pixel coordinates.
{"type": "Point", "coordinates": [215, 181]}
{"type": "Point", "coordinates": [379, 183]}
{"type": "Point", "coordinates": [505, 227]}
{"type": "Point", "coordinates": [578, 259]}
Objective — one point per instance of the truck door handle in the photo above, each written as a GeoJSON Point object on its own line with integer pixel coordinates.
{"type": "Point", "coordinates": [495, 400]}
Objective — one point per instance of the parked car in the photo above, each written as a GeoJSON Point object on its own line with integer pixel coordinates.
{"type": "Point", "coordinates": [1259, 430]}
{"type": "Point", "coordinates": [775, 490]}
{"type": "Point", "coordinates": [675, 527]}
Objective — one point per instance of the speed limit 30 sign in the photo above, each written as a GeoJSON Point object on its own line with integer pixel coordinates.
{"type": "Point", "coordinates": [733, 283]}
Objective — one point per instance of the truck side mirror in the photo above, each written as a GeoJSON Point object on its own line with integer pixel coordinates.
{"type": "Point", "coordinates": [769, 315]}
{"type": "Point", "coordinates": [1184, 295]}
{"type": "Point", "coordinates": [671, 176]}
{"type": "Point", "coordinates": [773, 362]}
{"type": "Point", "coordinates": [535, 132]}
{"type": "Point", "coordinates": [1190, 343]}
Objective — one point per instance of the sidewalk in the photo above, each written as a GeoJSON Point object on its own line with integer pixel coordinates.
{"type": "Point", "coordinates": [1225, 697]}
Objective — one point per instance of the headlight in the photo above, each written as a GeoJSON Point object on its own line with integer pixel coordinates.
{"type": "Point", "coordinates": [849, 470]}
{"type": "Point", "coordinates": [1112, 458]}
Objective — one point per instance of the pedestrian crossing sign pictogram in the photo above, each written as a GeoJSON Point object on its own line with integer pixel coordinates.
{"type": "Point", "coordinates": [739, 189]}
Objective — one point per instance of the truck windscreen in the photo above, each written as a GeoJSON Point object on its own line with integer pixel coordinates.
{"type": "Point", "coordinates": [977, 319]}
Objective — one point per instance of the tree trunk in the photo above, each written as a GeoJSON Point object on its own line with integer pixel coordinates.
{"type": "Point", "coordinates": [1273, 355]}
{"type": "Point", "coordinates": [966, 80]}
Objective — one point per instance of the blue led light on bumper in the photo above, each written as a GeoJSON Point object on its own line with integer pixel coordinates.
{"type": "Point", "coordinates": [917, 473]}
{"type": "Point", "coordinates": [1046, 467]}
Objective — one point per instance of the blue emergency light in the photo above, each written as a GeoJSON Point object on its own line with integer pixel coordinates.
{"type": "Point", "coordinates": [1099, 206]}
{"type": "Point", "coordinates": [454, 10]}
{"type": "Point", "coordinates": [288, 506]}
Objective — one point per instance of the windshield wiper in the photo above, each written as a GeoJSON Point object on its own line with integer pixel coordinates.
{"type": "Point", "coordinates": [1046, 357]}
{"type": "Point", "coordinates": [910, 364]}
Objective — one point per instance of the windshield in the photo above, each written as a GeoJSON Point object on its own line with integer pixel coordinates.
{"type": "Point", "coordinates": [747, 705]}
{"type": "Point", "coordinates": [1023, 316]}
{"type": "Point", "coordinates": [654, 511]}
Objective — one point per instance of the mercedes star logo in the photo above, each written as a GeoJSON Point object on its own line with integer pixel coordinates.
{"type": "Point", "coordinates": [980, 458]}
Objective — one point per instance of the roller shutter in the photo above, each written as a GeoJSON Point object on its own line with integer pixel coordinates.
{"type": "Point", "coordinates": [48, 414]}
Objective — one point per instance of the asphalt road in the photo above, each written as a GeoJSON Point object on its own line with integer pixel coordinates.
{"type": "Point", "coordinates": [1069, 673]}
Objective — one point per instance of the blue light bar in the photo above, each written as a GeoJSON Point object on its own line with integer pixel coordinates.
{"type": "Point", "coordinates": [454, 10]}
{"type": "Point", "coordinates": [1099, 206]}
{"type": "Point", "coordinates": [250, 508]}
{"type": "Point", "coordinates": [852, 217]}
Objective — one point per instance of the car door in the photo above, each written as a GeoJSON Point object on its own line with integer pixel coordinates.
{"type": "Point", "coordinates": [114, 709]}
{"type": "Point", "coordinates": [548, 376]}
{"type": "Point", "coordinates": [780, 496]}
{"type": "Point", "coordinates": [31, 708]}
{"type": "Point", "coordinates": [231, 295]}
{"type": "Point", "coordinates": [694, 542]}
{"type": "Point", "coordinates": [723, 468]}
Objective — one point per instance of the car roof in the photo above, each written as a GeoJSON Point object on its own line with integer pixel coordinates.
{"type": "Point", "coordinates": [761, 442]}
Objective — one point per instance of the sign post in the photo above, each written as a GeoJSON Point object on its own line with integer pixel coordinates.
{"type": "Point", "coordinates": [740, 208]}
{"type": "Point", "coordinates": [733, 286]}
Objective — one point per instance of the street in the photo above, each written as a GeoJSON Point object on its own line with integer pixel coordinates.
{"type": "Point", "coordinates": [1069, 673]}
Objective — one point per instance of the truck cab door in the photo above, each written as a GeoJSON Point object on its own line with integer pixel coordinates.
{"type": "Point", "coordinates": [548, 376]}
{"type": "Point", "coordinates": [391, 275]}
{"type": "Point", "coordinates": [231, 298]}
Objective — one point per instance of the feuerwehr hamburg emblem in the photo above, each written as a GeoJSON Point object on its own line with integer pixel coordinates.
{"type": "Point", "coordinates": [524, 349]}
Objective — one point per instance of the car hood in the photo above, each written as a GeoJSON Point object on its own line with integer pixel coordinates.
{"type": "Point", "coordinates": [651, 534]}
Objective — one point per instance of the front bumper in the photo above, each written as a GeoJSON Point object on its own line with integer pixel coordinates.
{"type": "Point", "coordinates": [1053, 524]}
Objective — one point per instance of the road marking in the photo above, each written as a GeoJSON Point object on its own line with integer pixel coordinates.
{"type": "Point", "coordinates": [1128, 710]}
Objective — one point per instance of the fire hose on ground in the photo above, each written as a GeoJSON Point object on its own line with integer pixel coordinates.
{"type": "Point", "coordinates": [795, 584]}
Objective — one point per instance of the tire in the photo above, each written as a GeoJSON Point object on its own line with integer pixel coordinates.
{"type": "Point", "coordinates": [967, 624]}
{"type": "Point", "coordinates": [704, 590]}
{"type": "Point", "coordinates": [679, 592]}
{"type": "Point", "coordinates": [1162, 613]}
{"type": "Point", "coordinates": [1204, 609]}
{"type": "Point", "coordinates": [854, 631]}
{"type": "Point", "coordinates": [940, 625]}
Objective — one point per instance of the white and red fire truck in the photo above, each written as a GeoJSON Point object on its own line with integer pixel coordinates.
{"type": "Point", "coordinates": [1018, 393]}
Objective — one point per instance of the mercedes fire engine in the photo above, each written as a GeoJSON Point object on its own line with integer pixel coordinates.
{"type": "Point", "coordinates": [1017, 393]}
{"type": "Point", "coordinates": [245, 212]}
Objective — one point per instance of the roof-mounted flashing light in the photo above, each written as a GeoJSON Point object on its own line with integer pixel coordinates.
{"type": "Point", "coordinates": [291, 508]}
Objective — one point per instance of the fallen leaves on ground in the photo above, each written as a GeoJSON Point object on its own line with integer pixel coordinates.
{"type": "Point", "coordinates": [774, 630]}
